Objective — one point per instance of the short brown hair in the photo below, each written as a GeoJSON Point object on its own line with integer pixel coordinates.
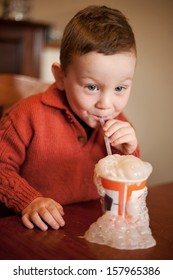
{"type": "Point", "coordinates": [96, 28]}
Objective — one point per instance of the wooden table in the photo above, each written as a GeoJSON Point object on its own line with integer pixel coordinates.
{"type": "Point", "coordinates": [18, 242]}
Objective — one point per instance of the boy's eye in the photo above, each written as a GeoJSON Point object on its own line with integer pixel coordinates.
{"type": "Point", "coordinates": [119, 89]}
{"type": "Point", "coordinates": [92, 87]}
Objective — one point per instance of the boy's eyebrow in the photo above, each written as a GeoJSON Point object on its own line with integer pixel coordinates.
{"type": "Point", "coordinates": [87, 77]}
{"type": "Point", "coordinates": [127, 79]}
{"type": "Point", "coordinates": [93, 79]}
{"type": "Point", "coordinates": [117, 82]}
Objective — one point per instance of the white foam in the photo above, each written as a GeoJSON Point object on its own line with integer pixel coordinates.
{"type": "Point", "coordinates": [126, 167]}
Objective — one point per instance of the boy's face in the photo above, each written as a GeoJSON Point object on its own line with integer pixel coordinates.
{"type": "Point", "coordinates": [98, 86]}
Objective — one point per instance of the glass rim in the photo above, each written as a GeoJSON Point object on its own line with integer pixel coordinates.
{"type": "Point", "coordinates": [126, 180]}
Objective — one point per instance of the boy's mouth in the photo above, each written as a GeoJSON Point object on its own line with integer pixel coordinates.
{"type": "Point", "coordinates": [98, 117]}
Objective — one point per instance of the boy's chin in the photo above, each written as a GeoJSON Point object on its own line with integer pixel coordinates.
{"type": "Point", "coordinates": [93, 123]}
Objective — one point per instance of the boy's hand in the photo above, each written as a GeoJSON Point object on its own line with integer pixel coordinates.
{"type": "Point", "coordinates": [121, 135]}
{"type": "Point", "coordinates": [42, 212]}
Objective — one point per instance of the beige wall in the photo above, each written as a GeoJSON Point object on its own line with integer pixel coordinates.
{"type": "Point", "coordinates": [150, 106]}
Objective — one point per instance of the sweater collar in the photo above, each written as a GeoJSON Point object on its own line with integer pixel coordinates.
{"type": "Point", "coordinates": [55, 98]}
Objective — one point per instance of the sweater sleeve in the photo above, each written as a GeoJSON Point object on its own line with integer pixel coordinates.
{"type": "Point", "coordinates": [15, 192]}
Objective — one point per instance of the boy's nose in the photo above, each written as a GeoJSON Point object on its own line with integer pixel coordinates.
{"type": "Point", "coordinates": [104, 102]}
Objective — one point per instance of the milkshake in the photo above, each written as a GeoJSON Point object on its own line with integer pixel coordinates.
{"type": "Point", "coordinates": [121, 183]}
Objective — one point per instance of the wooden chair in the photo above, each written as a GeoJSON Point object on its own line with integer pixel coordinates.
{"type": "Point", "coordinates": [14, 87]}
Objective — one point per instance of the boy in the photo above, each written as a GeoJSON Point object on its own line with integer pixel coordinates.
{"type": "Point", "coordinates": [50, 142]}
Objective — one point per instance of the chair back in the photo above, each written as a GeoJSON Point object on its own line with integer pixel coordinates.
{"type": "Point", "coordinates": [14, 87]}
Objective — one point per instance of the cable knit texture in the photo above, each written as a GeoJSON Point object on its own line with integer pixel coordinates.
{"type": "Point", "coordinates": [44, 151]}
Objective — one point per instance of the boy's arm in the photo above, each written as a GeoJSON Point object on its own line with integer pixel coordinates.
{"type": "Point", "coordinates": [15, 192]}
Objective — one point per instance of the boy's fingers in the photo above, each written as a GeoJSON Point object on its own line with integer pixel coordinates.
{"type": "Point", "coordinates": [122, 133]}
{"type": "Point", "coordinates": [60, 208]}
{"type": "Point", "coordinates": [57, 215]}
{"type": "Point", "coordinates": [49, 218]}
{"type": "Point", "coordinates": [114, 128]}
{"type": "Point", "coordinates": [27, 222]}
{"type": "Point", "coordinates": [109, 123]}
{"type": "Point", "coordinates": [35, 218]}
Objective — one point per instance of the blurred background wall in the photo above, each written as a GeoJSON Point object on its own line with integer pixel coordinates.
{"type": "Point", "coordinates": [151, 102]}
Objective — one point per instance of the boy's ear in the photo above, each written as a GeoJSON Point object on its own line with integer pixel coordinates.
{"type": "Point", "coordinates": [58, 75]}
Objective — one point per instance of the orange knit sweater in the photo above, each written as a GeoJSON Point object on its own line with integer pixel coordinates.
{"type": "Point", "coordinates": [44, 151]}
